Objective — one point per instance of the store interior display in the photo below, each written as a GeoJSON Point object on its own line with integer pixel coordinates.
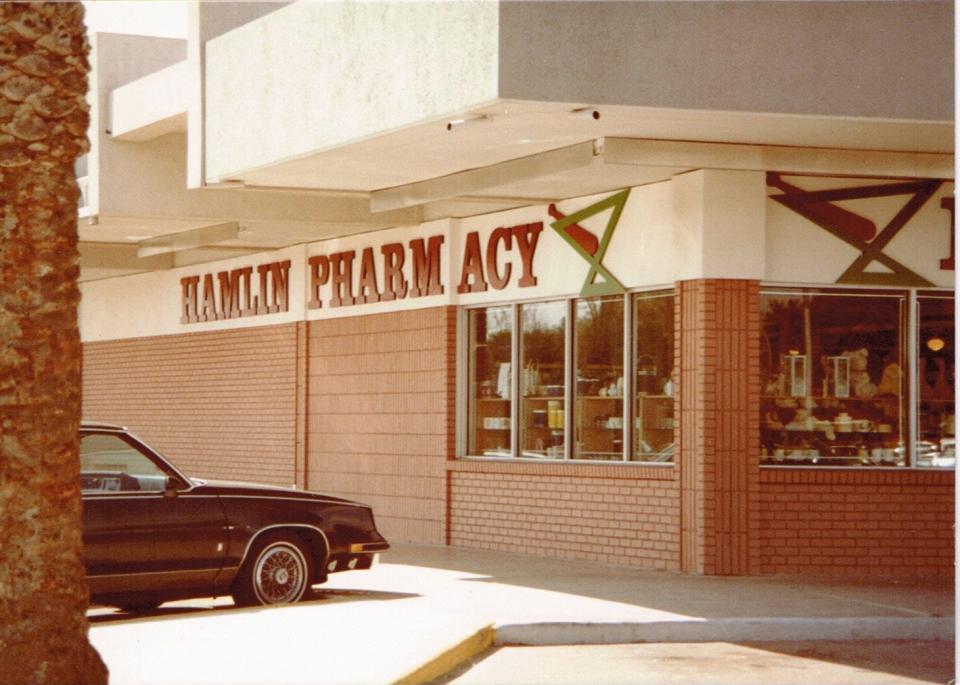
{"type": "Point", "coordinates": [834, 391]}
{"type": "Point", "coordinates": [542, 387]}
{"type": "Point", "coordinates": [600, 423]}
{"type": "Point", "coordinates": [936, 414]}
{"type": "Point", "coordinates": [836, 382]}
{"type": "Point", "coordinates": [491, 334]}
{"type": "Point", "coordinates": [823, 356]}
{"type": "Point", "coordinates": [654, 435]}
{"type": "Point", "coordinates": [598, 352]}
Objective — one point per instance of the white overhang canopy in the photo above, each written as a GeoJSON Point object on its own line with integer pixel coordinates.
{"type": "Point", "coordinates": [267, 184]}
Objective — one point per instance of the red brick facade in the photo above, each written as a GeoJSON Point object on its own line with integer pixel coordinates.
{"type": "Point", "coordinates": [856, 523]}
{"type": "Point", "coordinates": [617, 514]}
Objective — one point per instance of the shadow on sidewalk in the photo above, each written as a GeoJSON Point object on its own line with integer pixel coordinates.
{"type": "Point", "coordinates": [212, 606]}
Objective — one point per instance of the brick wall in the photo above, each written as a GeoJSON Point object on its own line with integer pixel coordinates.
{"type": "Point", "coordinates": [219, 404]}
{"type": "Point", "coordinates": [857, 523]}
{"type": "Point", "coordinates": [380, 415]}
{"type": "Point", "coordinates": [616, 514]}
{"type": "Point", "coordinates": [719, 354]}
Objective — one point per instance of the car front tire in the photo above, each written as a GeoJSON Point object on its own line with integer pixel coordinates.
{"type": "Point", "coordinates": [278, 570]}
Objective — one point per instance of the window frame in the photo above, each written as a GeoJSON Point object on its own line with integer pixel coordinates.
{"type": "Point", "coordinates": [909, 342]}
{"type": "Point", "coordinates": [914, 343]}
{"type": "Point", "coordinates": [464, 402]}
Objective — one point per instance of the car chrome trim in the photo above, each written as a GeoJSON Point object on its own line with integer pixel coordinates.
{"type": "Point", "coordinates": [297, 499]}
{"type": "Point", "coordinates": [261, 531]}
{"type": "Point", "coordinates": [152, 573]}
{"type": "Point", "coordinates": [141, 495]}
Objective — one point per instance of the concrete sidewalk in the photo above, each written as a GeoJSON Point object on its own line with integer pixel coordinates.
{"type": "Point", "coordinates": [424, 609]}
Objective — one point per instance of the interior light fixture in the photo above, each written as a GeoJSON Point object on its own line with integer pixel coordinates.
{"type": "Point", "coordinates": [585, 113]}
{"type": "Point", "coordinates": [935, 344]}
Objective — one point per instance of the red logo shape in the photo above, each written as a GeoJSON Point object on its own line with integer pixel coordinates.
{"type": "Point", "coordinates": [584, 238]}
{"type": "Point", "coordinates": [852, 225]}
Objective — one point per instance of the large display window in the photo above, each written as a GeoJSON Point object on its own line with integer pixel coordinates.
{"type": "Point", "coordinates": [841, 384]}
{"type": "Point", "coordinates": [568, 395]}
{"type": "Point", "coordinates": [832, 378]}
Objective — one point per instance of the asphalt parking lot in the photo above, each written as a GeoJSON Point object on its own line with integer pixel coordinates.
{"type": "Point", "coordinates": [880, 662]}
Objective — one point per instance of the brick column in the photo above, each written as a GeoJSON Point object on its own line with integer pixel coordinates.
{"type": "Point", "coordinates": [450, 420]}
{"type": "Point", "coordinates": [719, 425]}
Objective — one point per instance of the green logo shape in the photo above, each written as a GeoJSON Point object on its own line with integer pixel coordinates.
{"type": "Point", "coordinates": [609, 285]}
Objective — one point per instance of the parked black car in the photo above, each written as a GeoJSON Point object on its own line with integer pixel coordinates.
{"type": "Point", "coordinates": [151, 534]}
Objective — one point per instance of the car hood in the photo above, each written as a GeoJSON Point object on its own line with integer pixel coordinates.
{"type": "Point", "coordinates": [230, 487]}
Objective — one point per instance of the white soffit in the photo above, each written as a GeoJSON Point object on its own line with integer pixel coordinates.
{"type": "Point", "coordinates": [186, 240]}
{"type": "Point", "coordinates": [472, 181]}
{"type": "Point", "coordinates": [655, 153]}
{"type": "Point", "coordinates": [508, 130]}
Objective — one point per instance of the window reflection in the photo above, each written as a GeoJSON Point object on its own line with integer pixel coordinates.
{"type": "Point", "coordinates": [110, 464]}
{"type": "Point", "coordinates": [935, 382]}
{"type": "Point", "coordinates": [491, 342]}
{"type": "Point", "coordinates": [598, 351]}
{"type": "Point", "coordinates": [832, 381]}
{"type": "Point", "coordinates": [542, 384]}
{"type": "Point", "coordinates": [655, 378]}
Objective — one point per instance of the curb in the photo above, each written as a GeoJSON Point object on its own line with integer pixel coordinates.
{"type": "Point", "coordinates": [712, 630]}
{"type": "Point", "coordinates": [450, 658]}
{"type": "Point", "coordinates": [728, 630]}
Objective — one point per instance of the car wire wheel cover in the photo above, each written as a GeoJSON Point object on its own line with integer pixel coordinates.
{"type": "Point", "coordinates": [280, 574]}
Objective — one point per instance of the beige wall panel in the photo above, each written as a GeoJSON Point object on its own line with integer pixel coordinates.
{"type": "Point", "coordinates": [220, 405]}
{"type": "Point", "coordinates": [378, 418]}
{"type": "Point", "coordinates": [390, 403]}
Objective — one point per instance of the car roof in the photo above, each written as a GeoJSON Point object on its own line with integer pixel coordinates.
{"type": "Point", "coordinates": [101, 424]}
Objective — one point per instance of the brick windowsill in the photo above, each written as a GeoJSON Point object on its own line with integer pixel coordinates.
{"type": "Point", "coordinates": [855, 476]}
{"type": "Point", "coordinates": [634, 470]}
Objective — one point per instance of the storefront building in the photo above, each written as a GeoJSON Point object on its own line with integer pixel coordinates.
{"type": "Point", "coordinates": [741, 364]}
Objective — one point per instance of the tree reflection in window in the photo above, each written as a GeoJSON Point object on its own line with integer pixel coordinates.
{"type": "Point", "coordinates": [542, 379]}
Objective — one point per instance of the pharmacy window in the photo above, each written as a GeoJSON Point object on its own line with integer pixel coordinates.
{"type": "Point", "coordinates": [551, 380]}
{"type": "Point", "coordinates": [837, 378]}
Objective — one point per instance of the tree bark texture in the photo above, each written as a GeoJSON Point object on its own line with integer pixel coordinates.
{"type": "Point", "coordinates": [43, 126]}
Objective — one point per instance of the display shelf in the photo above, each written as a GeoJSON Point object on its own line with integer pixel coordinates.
{"type": "Point", "coordinates": [654, 423]}
{"type": "Point", "coordinates": [830, 398]}
{"type": "Point", "coordinates": [831, 431]}
{"type": "Point", "coordinates": [596, 439]}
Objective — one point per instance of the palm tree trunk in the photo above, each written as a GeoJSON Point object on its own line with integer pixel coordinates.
{"type": "Point", "coordinates": [43, 123]}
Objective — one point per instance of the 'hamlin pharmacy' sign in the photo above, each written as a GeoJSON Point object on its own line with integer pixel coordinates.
{"type": "Point", "coordinates": [344, 278]}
